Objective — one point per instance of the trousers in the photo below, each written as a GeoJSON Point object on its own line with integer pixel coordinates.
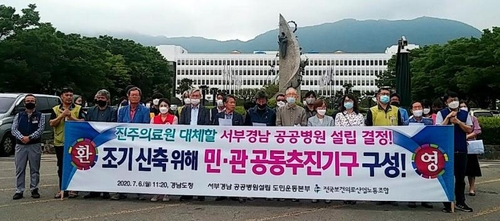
{"type": "Point", "coordinates": [59, 155]}
{"type": "Point", "coordinates": [25, 153]}
{"type": "Point", "coordinates": [460, 168]}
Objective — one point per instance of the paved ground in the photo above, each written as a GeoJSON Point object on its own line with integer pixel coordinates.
{"type": "Point", "coordinates": [486, 205]}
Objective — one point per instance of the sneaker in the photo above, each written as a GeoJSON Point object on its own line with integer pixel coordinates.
{"type": "Point", "coordinates": [463, 207]}
{"type": "Point", "coordinates": [154, 199]}
{"type": "Point", "coordinates": [141, 197]}
{"type": "Point", "coordinates": [314, 201]}
{"type": "Point", "coordinates": [91, 195]}
{"type": "Point", "coordinates": [17, 196]}
{"type": "Point", "coordinates": [166, 198]}
{"type": "Point", "coordinates": [328, 201]}
{"type": "Point", "coordinates": [281, 200]}
{"type": "Point", "coordinates": [106, 196]}
{"type": "Point", "coordinates": [295, 200]}
{"type": "Point", "coordinates": [446, 210]}
{"type": "Point", "coordinates": [269, 199]}
{"type": "Point", "coordinates": [35, 194]}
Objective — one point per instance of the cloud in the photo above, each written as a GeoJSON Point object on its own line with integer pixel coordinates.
{"type": "Point", "coordinates": [242, 19]}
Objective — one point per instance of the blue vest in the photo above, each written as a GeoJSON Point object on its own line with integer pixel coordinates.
{"type": "Point", "coordinates": [28, 125]}
{"type": "Point", "coordinates": [459, 134]}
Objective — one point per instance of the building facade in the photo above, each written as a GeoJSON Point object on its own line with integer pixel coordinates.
{"type": "Point", "coordinates": [325, 73]}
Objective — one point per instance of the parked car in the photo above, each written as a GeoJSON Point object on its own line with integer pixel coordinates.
{"type": "Point", "coordinates": [481, 113]}
{"type": "Point", "coordinates": [10, 105]}
{"type": "Point", "coordinates": [496, 113]}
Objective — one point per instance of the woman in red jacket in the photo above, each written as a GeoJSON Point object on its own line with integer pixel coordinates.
{"type": "Point", "coordinates": [166, 116]}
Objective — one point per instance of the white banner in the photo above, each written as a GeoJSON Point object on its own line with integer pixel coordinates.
{"type": "Point", "coordinates": [338, 163]}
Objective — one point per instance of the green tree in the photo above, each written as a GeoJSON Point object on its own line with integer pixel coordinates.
{"type": "Point", "coordinates": [271, 89]}
{"type": "Point", "coordinates": [11, 22]}
{"type": "Point", "coordinates": [186, 84]}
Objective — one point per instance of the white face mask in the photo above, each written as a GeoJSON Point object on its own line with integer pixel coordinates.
{"type": "Point", "coordinates": [280, 103]}
{"type": "Point", "coordinates": [310, 100]}
{"type": "Point", "coordinates": [427, 110]}
{"type": "Point", "coordinates": [464, 109]}
{"type": "Point", "coordinates": [219, 103]}
{"type": "Point", "coordinates": [163, 110]}
{"type": "Point", "coordinates": [321, 112]}
{"type": "Point", "coordinates": [148, 105]}
{"type": "Point", "coordinates": [417, 113]}
{"type": "Point", "coordinates": [187, 101]}
{"type": "Point", "coordinates": [155, 101]}
{"type": "Point", "coordinates": [174, 107]}
{"type": "Point", "coordinates": [195, 101]}
{"type": "Point", "coordinates": [454, 104]}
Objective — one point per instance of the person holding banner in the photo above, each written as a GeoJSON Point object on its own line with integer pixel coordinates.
{"type": "Point", "coordinates": [462, 123]}
{"type": "Point", "coordinates": [133, 113]}
{"type": "Point", "coordinates": [473, 169]}
{"type": "Point", "coordinates": [418, 119]}
{"type": "Point", "coordinates": [229, 118]}
{"type": "Point", "coordinates": [348, 116]}
{"type": "Point", "coordinates": [67, 111]}
{"type": "Point", "coordinates": [384, 114]}
{"type": "Point", "coordinates": [164, 117]}
{"type": "Point", "coordinates": [193, 113]}
{"type": "Point", "coordinates": [102, 112]}
{"type": "Point", "coordinates": [291, 114]}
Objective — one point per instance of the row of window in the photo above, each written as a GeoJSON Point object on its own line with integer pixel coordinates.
{"type": "Point", "coordinates": [267, 62]}
{"type": "Point", "coordinates": [270, 72]}
{"type": "Point", "coordinates": [262, 82]}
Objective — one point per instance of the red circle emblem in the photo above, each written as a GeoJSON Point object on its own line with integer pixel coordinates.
{"type": "Point", "coordinates": [83, 154]}
{"type": "Point", "coordinates": [429, 161]}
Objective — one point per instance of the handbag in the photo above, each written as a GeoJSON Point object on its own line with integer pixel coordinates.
{"type": "Point", "coordinates": [475, 147]}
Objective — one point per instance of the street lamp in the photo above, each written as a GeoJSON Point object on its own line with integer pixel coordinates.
{"type": "Point", "coordinates": [403, 74]}
{"type": "Point", "coordinates": [204, 91]}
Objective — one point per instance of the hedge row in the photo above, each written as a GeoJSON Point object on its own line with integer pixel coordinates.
{"type": "Point", "coordinates": [490, 127]}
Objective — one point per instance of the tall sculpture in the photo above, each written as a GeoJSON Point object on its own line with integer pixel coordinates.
{"type": "Point", "coordinates": [289, 57]}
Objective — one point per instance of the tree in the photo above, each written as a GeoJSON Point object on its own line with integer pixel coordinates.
{"type": "Point", "coordinates": [388, 77]}
{"type": "Point", "coordinates": [271, 90]}
{"type": "Point", "coordinates": [185, 85]}
{"type": "Point", "coordinates": [246, 94]}
{"type": "Point", "coordinates": [11, 23]}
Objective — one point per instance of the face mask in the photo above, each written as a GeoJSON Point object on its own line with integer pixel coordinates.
{"type": "Point", "coordinates": [454, 104]}
{"type": "Point", "coordinates": [30, 106]}
{"type": "Point", "coordinates": [417, 113]}
{"type": "Point", "coordinates": [280, 103]}
{"type": "Point", "coordinates": [195, 101]}
{"type": "Point", "coordinates": [464, 109]}
{"type": "Point", "coordinates": [101, 103]}
{"type": "Point", "coordinates": [261, 106]}
{"type": "Point", "coordinates": [174, 107]}
{"type": "Point", "coordinates": [348, 105]}
{"type": "Point", "coordinates": [155, 101]}
{"type": "Point", "coordinates": [310, 100]}
{"type": "Point", "coordinates": [219, 103]}
{"type": "Point", "coordinates": [163, 110]}
{"type": "Point", "coordinates": [187, 101]}
{"type": "Point", "coordinates": [384, 99]}
{"type": "Point", "coordinates": [427, 110]}
{"type": "Point", "coordinates": [290, 100]}
{"type": "Point", "coordinates": [321, 112]}
{"type": "Point", "coordinates": [395, 104]}
{"type": "Point", "coordinates": [148, 105]}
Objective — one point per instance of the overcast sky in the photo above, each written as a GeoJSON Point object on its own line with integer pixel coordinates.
{"type": "Point", "coordinates": [243, 19]}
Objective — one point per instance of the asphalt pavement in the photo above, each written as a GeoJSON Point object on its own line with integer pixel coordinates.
{"type": "Point", "coordinates": [486, 204]}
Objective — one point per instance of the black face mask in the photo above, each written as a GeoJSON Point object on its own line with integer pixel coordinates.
{"type": "Point", "coordinates": [101, 103]}
{"type": "Point", "coordinates": [30, 106]}
{"type": "Point", "coordinates": [395, 104]}
{"type": "Point", "coordinates": [261, 106]}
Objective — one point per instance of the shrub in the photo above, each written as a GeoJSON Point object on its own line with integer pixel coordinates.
{"type": "Point", "coordinates": [490, 127]}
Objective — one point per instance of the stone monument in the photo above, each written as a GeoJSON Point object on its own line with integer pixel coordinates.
{"type": "Point", "coordinates": [289, 57]}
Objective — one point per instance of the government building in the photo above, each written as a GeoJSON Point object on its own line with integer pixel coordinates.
{"type": "Point", "coordinates": [325, 73]}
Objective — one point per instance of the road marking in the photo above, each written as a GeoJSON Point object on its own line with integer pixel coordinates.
{"type": "Point", "coordinates": [480, 213]}
{"type": "Point", "coordinates": [27, 203]}
{"type": "Point", "coordinates": [46, 185]}
{"type": "Point", "coordinates": [488, 181]}
{"type": "Point", "coordinates": [297, 213]}
{"type": "Point", "coordinates": [123, 212]}
{"type": "Point", "coordinates": [12, 177]}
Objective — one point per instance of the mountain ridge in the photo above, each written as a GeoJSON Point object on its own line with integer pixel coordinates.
{"type": "Point", "coordinates": [348, 35]}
